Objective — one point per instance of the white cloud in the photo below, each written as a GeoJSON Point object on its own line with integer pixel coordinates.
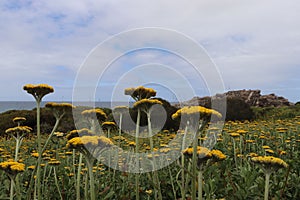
{"type": "Point", "coordinates": [255, 44]}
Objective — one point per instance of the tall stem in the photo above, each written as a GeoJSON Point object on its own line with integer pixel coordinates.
{"type": "Point", "coordinates": [182, 163]}
{"type": "Point", "coordinates": [56, 183]}
{"type": "Point", "coordinates": [234, 153]}
{"type": "Point", "coordinates": [155, 174]}
{"type": "Point", "coordinates": [38, 172]}
{"type": "Point", "coordinates": [51, 134]}
{"type": "Point", "coordinates": [78, 177]}
{"type": "Point", "coordinates": [200, 179]}
{"type": "Point", "coordinates": [17, 147]}
{"type": "Point", "coordinates": [267, 181]}
{"type": "Point", "coordinates": [91, 176]}
{"type": "Point", "coordinates": [194, 166]}
{"type": "Point", "coordinates": [11, 197]}
{"type": "Point", "coordinates": [137, 130]}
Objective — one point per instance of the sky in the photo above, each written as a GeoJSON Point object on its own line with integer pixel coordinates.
{"type": "Point", "coordinates": [251, 44]}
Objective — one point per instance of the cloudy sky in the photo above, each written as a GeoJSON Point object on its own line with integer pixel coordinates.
{"type": "Point", "coordinates": [253, 44]}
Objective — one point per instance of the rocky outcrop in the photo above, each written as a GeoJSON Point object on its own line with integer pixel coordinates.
{"type": "Point", "coordinates": [250, 97]}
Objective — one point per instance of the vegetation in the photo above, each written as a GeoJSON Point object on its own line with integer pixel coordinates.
{"type": "Point", "coordinates": [237, 162]}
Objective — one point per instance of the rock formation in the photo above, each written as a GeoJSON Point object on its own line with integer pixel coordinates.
{"type": "Point", "coordinates": [251, 97]}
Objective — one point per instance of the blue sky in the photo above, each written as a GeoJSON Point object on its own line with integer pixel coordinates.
{"type": "Point", "coordinates": [254, 44]}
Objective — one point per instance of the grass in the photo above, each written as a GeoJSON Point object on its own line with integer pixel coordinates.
{"type": "Point", "coordinates": [234, 178]}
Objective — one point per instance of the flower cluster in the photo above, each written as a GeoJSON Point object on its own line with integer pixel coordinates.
{"type": "Point", "coordinates": [78, 133]}
{"type": "Point", "coordinates": [269, 162]}
{"type": "Point", "coordinates": [204, 154]}
{"type": "Point", "coordinates": [99, 113]}
{"type": "Point", "coordinates": [80, 142]}
{"type": "Point", "coordinates": [20, 129]}
{"type": "Point", "coordinates": [120, 109]}
{"type": "Point", "coordinates": [19, 119]}
{"type": "Point", "coordinates": [146, 103]}
{"type": "Point", "coordinates": [108, 124]}
{"type": "Point", "coordinates": [39, 90]}
{"type": "Point", "coordinates": [140, 93]}
{"type": "Point", "coordinates": [54, 162]}
{"type": "Point", "coordinates": [12, 167]}
{"type": "Point", "coordinates": [200, 111]}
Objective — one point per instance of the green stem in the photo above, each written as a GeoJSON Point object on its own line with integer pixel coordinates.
{"type": "Point", "coordinates": [17, 148]}
{"type": "Point", "coordinates": [86, 186]}
{"type": "Point", "coordinates": [137, 130]}
{"type": "Point", "coordinates": [172, 181]}
{"type": "Point", "coordinates": [182, 163]}
{"type": "Point", "coordinates": [200, 179]}
{"type": "Point", "coordinates": [11, 197]}
{"type": "Point", "coordinates": [56, 183]}
{"type": "Point", "coordinates": [38, 171]}
{"type": "Point", "coordinates": [182, 177]}
{"type": "Point", "coordinates": [51, 134]}
{"type": "Point", "coordinates": [155, 174]}
{"type": "Point", "coordinates": [194, 166]}
{"type": "Point", "coordinates": [78, 177]}
{"type": "Point", "coordinates": [267, 181]}
{"type": "Point", "coordinates": [234, 153]}
{"type": "Point", "coordinates": [91, 176]}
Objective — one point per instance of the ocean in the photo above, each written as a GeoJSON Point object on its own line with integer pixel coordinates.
{"type": "Point", "coordinates": [29, 105]}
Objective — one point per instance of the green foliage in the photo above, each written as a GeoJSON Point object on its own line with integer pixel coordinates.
{"type": "Point", "coordinates": [285, 112]}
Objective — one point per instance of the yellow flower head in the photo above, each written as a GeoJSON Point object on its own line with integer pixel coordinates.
{"type": "Point", "coordinates": [218, 155]}
{"type": "Point", "coordinates": [79, 142]}
{"type": "Point", "coordinates": [78, 133]}
{"type": "Point", "coordinates": [99, 113]}
{"type": "Point", "coordinates": [36, 155]}
{"type": "Point", "coordinates": [19, 129]}
{"type": "Point", "coordinates": [54, 162]}
{"type": "Point", "coordinates": [202, 152]}
{"type": "Point", "coordinates": [107, 125]}
{"type": "Point", "coordinates": [121, 109]}
{"type": "Point", "coordinates": [19, 119]}
{"type": "Point", "coordinates": [59, 134]}
{"type": "Point", "coordinates": [12, 167]}
{"type": "Point", "coordinates": [146, 103]}
{"type": "Point", "coordinates": [140, 93]}
{"type": "Point", "coordinates": [39, 90]}
{"type": "Point", "coordinates": [269, 161]}
{"type": "Point", "coordinates": [192, 111]}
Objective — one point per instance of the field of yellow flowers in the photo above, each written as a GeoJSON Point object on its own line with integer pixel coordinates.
{"type": "Point", "coordinates": [250, 160]}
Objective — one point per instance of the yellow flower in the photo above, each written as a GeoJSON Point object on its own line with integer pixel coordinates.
{"type": "Point", "coordinates": [39, 90]}
{"type": "Point", "coordinates": [54, 162]}
{"type": "Point", "coordinates": [79, 142]}
{"type": "Point", "coordinates": [59, 109]}
{"type": "Point", "coordinates": [140, 93]}
{"type": "Point", "coordinates": [99, 113]}
{"type": "Point", "coordinates": [218, 155]}
{"type": "Point", "coordinates": [242, 132]}
{"type": "Point", "coordinates": [269, 151]}
{"type": "Point", "coordinates": [19, 119]}
{"type": "Point", "coordinates": [265, 147]}
{"type": "Point", "coordinates": [149, 192]}
{"type": "Point", "coordinates": [121, 109]}
{"type": "Point", "coordinates": [19, 129]}
{"type": "Point", "coordinates": [270, 161]}
{"type": "Point", "coordinates": [58, 134]}
{"type": "Point", "coordinates": [200, 111]}
{"type": "Point", "coordinates": [78, 133]}
{"type": "Point", "coordinates": [146, 103]}
{"type": "Point", "coordinates": [12, 167]}
{"type": "Point", "coordinates": [36, 155]}
{"type": "Point", "coordinates": [132, 144]}
{"type": "Point", "coordinates": [31, 167]}
{"type": "Point", "coordinates": [234, 134]}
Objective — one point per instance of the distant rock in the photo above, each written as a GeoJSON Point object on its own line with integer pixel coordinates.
{"type": "Point", "coordinates": [250, 97]}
